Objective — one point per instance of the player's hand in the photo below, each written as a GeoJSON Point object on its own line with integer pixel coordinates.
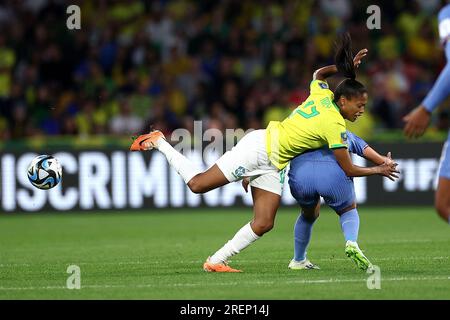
{"type": "Point", "coordinates": [416, 122]}
{"type": "Point", "coordinates": [357, 59]}
{"type": "Point", "coordinates": [388, 159]}
{"type": "Point", "coordinates": [389, 170]}
{"type": "Point", "coordinates": [245, 183]}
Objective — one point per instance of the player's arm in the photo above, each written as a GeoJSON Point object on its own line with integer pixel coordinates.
{"type": "Point", "coordinates": [417, 121]}
{"type": "Point", "coordinates": [372, 155]}
{"type": "Point", "coordinates": [328, 71]}
{"type": "Point", "coordinates": [351, 170]}
{"type": "Point", "coordinates": [360, 147]}
{"type": "Point", "coordinates": [337, 137]}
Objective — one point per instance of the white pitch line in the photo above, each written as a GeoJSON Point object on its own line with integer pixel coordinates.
{"type": "Point", "coordinates": [150, 285]}
{"type": "Point", "coordinates": [388, 259]}
{"type": "Point", "coordinates": [15, 265]}
{"type": "Point", "coordinates": [201, 261]}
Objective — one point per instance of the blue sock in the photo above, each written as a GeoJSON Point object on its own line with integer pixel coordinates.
{"type": "Point", "coordinates": [350, 224]}
{"type": "Point", "coordinates": [302, 236]}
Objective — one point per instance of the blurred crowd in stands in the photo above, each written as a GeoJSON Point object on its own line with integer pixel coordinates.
{"type": "Point", "coordinates": [230, 63]}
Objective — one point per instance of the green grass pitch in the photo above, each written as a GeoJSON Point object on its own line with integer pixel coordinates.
{"type": "Point", "coordinates": [158, 254]}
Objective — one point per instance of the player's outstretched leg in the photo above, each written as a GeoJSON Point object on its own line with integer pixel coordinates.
{"type": "Point", "coordinates": [350, 227]}
{"type": "Point", "coordinates": [197, 181]}
{"type": "Point", "coordinates": [147, 141]}
{"type": "Point", "coordinates": [265, 206]}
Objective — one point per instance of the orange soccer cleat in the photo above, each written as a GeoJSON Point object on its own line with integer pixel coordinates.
{"type": "Point", "coordinates": [218, 267]}
{"type": "Point", "coordinates": [146, 141]}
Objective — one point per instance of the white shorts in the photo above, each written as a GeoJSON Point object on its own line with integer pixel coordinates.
{"type": "Point", "coordinates": [249, 159]}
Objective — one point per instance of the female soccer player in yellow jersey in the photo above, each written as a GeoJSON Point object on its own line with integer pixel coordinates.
{"type": "Point", "coordinates": [262, 155]}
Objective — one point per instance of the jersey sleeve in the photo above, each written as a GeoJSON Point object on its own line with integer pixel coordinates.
{"type": "Point", "coordinates": [440, 90]}
{"type": "Point", "coordinates": [444, 24]}
{"type": "Point", "coordinates": [335, 133]}
{"type": "Point", "coordinates": [356, 144]}
{"type": "Point", "coordinates": [319, 88]}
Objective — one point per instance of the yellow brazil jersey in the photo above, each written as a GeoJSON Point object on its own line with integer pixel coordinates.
{"type": "Point", "coordinates": [316, 123]}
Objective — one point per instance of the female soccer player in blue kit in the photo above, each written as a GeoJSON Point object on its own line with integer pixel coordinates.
{"type": "Point", "coordinates": [317, 174]}
{"type": "Point", "coordinates": [416, 122]}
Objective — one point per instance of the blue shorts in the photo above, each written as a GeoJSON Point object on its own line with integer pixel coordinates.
{"type": "Point", "coordinates": [444, 164]}
{"type": "Point", "coordinates": [317, 174]}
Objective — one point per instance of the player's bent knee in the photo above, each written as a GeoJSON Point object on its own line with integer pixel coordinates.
{"type": "Point", "coordinates": [196, 185]}
{"type": "Point", "coordinates": [261, 227]}
{"type": "Point", "coordinates": [312, 218]}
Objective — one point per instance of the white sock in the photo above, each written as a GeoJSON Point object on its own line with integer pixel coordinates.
{"type": "Point", "coordinates": [241, 240]}
{"type": "Point", "coordinates": [185, 168]}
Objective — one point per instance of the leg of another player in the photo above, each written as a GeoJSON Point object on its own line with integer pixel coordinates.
{"type": "Point", "coordinates": [349, 220]}
{"type": "Point", "coordinates": [302, 236]}
{"type": "Point", "coordinates": [265, 205]}
{"type": "Point", "coordinates": [302, 230]}
{"type": "Point", "coordinates": [442, 199]}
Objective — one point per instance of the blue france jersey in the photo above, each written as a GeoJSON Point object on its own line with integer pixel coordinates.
{"type": "Point", "coordinates": [356, 145]}
{"type": "Point", "coordinates": [316, 173]}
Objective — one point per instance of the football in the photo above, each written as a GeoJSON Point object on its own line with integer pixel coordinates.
{"type": "Point", "coordinates": [44, 172]}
